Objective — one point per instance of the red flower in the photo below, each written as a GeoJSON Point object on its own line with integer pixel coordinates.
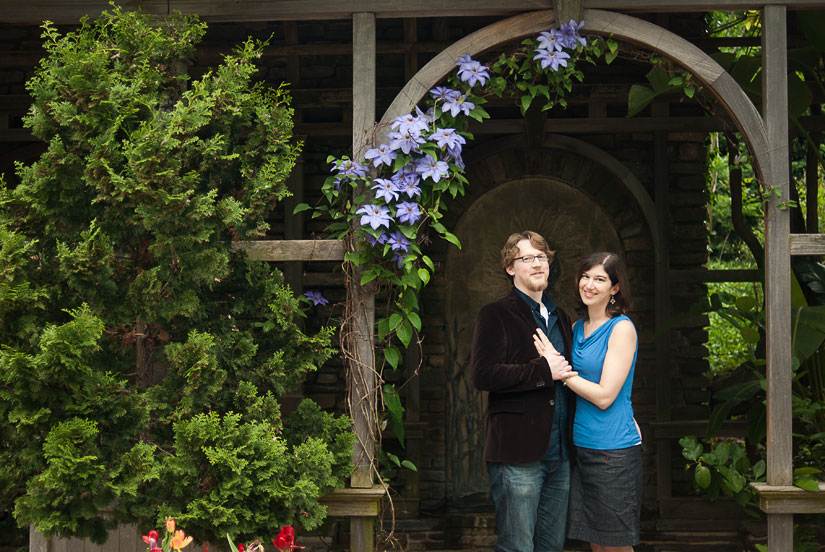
{"type": "Point", "coordinates": [151, 538]}
{"type": "Point", "coordinates": [241, 548]}
{"type": "Point", "coordinates": [286, 539]}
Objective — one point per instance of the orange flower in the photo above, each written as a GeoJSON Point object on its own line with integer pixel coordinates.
{"type": "Point", "coordinates": [180, 540]}
{"type": "Point", "coordinates": [170, 525]}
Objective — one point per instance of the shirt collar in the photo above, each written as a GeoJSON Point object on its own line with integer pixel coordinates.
{"type": "Point", "coordinates": [534, 306]}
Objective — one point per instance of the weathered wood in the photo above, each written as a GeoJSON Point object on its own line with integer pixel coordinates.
{"type": "Point", "coordinates": [807, 244]}
{"type": "Point", "coordinates": [567, 10]}
{"type": "Point", "coordinates": [353, 502]}
{"type": "Point", "coordinates": [37, 542]}
{"type": "Point", "coordinates": [70, 11]}
{"type": "Point", "coordinates": [361, 300]}
{"type": "Point", "coordinates": [679, 428]}
{"type": "Point", "coordinates": [789, 499]}
{"type": "Point", "coordinates": [777, 268]}
{"type": "Point", "coordinates": [293, 250]}
{"type": "Point", "coordinates": [777, 250]}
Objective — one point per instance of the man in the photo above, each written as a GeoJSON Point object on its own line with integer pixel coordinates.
{"type": "Point", "coordinates": [527, 413]}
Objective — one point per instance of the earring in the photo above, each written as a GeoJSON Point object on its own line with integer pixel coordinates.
{"type": "Point", "coordinates": [612, 299]}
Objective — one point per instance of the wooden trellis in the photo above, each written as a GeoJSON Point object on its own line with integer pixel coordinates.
{"type": "Point", "coordinates": [766, 135]}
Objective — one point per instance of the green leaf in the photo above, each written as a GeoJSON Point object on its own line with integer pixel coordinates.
{"type": "Point", "coordinates": [405, 333]}
{"type": "Point", "coordinates": [395, 321]}
{"type": "Point", "coordinates": [638, 98]}
{"type": "Point", "coordinates": [452, 239]}
{"type": "Point", "coordinates": [526, 100]}
{"type": "Point", "coordinates": [807, 483]}
{"type": "Point", "coordinates": [750, 334]}
{"type": "Point", "coordinates": [368, 276]}
{"type": "Point", "coordinates": [392, 356]}
{"type": "Point", "coordinates": [415, 320]}
{"type": "Point", "coordinates": [424, 274]}
{"type": "Point", "coordinates": [428, 262]}
{"type": "Point", "coordinates": [409, 465]}
{"type": "Point", "coordinates": [702, 476]}
{"type": "Point", "coordinates": [610, 56]}
{"type": "Point", "coordinates": [232, 546]}
{"type": "Point", "coordinates": [394, 459]}
{"type": "Point", "coordinates": [806, 471]}
{"type": "Point", "coordinates": [745, 303]}
{"type": "Point", "coordinates": [300, 207]}
{"type": "Point", "coordinates": [722, 452]}
{"type": "Point", "coordinates": [759, 469]}
{"type": "Point", "coordinates": [395, 410]}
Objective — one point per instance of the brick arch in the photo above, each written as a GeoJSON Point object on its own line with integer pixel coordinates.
{"type": "Point", "coordinates": [562, 177]}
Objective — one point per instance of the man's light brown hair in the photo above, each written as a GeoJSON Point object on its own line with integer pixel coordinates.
{"type": "Point", "coordinates": [511, 251]}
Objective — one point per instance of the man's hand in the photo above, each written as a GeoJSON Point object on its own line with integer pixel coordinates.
{"type": "Point", "coordinates": [559, 367]}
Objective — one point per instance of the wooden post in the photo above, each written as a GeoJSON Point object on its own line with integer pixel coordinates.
{"type": "Point", "coordinates": [777, 268]}
{"type": "Point", "coordinates": [664, 400]}
{"type": "Point", "coordinates": [567, 10]}
{"type": "Point", "coordinates": [361, 300]}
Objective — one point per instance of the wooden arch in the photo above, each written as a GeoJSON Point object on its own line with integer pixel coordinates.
{"type": "Point", "coordinates": [623, 27]}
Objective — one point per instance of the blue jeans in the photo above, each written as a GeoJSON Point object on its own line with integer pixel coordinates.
{"type": "Point", "coordinates": [531, 505]}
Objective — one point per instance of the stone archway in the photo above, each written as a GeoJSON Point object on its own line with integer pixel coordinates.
{"type": "Point", "coordinates": [567, 190]}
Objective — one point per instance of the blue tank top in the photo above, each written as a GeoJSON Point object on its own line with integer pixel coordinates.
{"type": "Point", "coordinates": [594, 428]}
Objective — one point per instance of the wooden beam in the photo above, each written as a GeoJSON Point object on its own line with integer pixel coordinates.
{"type": "Point", "coordinates": [70, 11]}
{"type": "Point", "coordinates": [701, 275]}
{"type": "Point", "coordinates": [807, 244]}
{"type": "Point", "coordinates": [353, 502]}
{"type": "Point", "coordinates": [293, 250]}
{"type": "Point", "coordinates": [789, 499]}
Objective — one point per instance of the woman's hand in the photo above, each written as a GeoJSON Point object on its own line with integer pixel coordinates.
{"type": "Point", "coordinates": [560, 369]}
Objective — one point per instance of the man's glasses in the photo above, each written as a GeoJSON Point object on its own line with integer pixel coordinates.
{"type": "Point", "coordinates": [528, 259]}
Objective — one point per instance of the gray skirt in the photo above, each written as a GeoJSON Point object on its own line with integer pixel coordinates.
{"type": "Point", "coordinates": [606, 496]}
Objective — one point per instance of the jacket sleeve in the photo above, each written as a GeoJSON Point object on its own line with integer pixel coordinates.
{"type": "Point", "coordinates": [493, 366]}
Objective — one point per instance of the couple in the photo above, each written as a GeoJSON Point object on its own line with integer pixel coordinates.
{"type": "Point", "coordinates": [524, 347]}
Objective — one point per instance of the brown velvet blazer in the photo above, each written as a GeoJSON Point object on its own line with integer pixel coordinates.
{"type": "Point", "coordinates": [521, 398]}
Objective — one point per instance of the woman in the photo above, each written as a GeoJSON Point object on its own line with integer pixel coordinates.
{"type": "Point", "coordinates": [606, 486]}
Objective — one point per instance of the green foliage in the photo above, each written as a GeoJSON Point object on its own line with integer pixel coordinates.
{"type": "Point", "coordinates": [141, 358]}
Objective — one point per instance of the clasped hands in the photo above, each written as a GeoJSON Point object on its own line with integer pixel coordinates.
{"type": "Point", "coordinates": [559, 367]}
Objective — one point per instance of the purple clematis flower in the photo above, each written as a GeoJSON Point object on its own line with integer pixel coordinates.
{"type": "Point", "coordinates": [385, 189]}
{"type": "Point", "coordinates": [375, 216]}
{"type": "Point", "coordinates": [552, 59]}
{"type": "Point", "coordinates": [433, 169]}
{"type": "Point", "coordinates": [406, 141]}
{"type": "Point", "coordinates": [398, 242]}
{"type": "Point", "coordinates": [316, 298]}
{"type": "Point", "coordinates": [552, 40]}
{"type": "Point", "coordinates": [349, 167]}
{"type": "Point", "coordinates": [380, 240]}
{"type": "Point", "coordinates": [447, 138]}
{"type": "Point", "coordinates": [444, 93]}
{"type": "Point", "coordinates": [455, 154]}
{"type": "Point", "coordinates": [409, 123]}
{"type": "Point", "coordinates": [409, 186]}
{"type": "Point", "coordinates": [472, 72]}
{"type": "Point", "coordinates": [381, 155]}
{"type": "Point", "coordinates": [458, 105]}
{"type": "Point", "coordinates": [408, 211]}
{"type": "Point", "coordinates": [570, 30]}
{"type": "Point", "coordinates": [399, 259]}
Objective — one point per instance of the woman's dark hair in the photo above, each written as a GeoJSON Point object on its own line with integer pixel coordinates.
{"type": "Point", "coordinates": [616, 271]}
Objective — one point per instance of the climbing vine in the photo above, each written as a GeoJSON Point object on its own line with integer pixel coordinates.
{"type": "Point", "coordinates": [391, 200]}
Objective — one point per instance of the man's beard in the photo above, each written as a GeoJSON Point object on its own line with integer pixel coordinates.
{"type": "Point", "coordinates": [536, 286]}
